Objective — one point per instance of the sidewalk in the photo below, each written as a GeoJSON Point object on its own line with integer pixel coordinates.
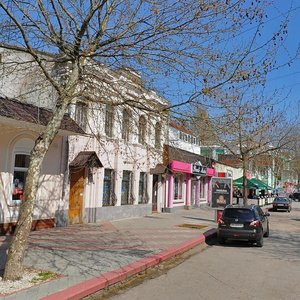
{"type": "Point", "coordinates": [109, 251]}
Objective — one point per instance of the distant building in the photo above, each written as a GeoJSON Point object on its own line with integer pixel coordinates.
{"type": "Point", "coordinates": [186, 175]}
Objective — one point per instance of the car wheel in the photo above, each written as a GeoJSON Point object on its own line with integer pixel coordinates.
{"type": "Point", "coordinates": [260, 242]}
{"type": "Point", "coordinates": [267, 233]}
{"type": "Point", "coordinates": [221, 240]}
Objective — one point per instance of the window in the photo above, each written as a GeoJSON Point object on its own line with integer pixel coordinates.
{"type": "Point", "coordinates": [108, 187]}
{"type": "Point", "coordinates": [202, 187]}
{"type": "Point", "coordinates": [126, 188]}
{"type": "Point", "coordinates": [143, 188]}
{"type": "Point", "coordinates": [81, 114]}
{"type": "Point", "coordinates": [177, 187]}
{"type": "Point", "coordinates": [240, 213]}
{"type": "Point", "coordinates": [142, 130]}
{"type": "Point", "coordinates": [126, 125]}
{"type": "Point", "coordinates": [157, 135]}
{"type": "Point", "coordinates": [20, 171]}
{"type": "Point", "coordinates": [109, 120]}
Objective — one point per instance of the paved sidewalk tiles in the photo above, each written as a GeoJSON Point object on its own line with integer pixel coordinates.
{"type": "Point", "coordinates": [92, 256]}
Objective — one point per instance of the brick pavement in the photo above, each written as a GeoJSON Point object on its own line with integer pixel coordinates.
{"type": "Point", "coordinates": [81, 252]}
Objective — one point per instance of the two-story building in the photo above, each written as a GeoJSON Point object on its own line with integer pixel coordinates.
{"type": "Point", "coordinates": [124, 142]}
{"type": "Point", "coordinates": [100, 172]}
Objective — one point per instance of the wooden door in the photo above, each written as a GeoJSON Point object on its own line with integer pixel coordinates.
{"type": "Point", "coordinates": [76, 196]}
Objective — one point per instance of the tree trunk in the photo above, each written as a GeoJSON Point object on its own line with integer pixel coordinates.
{"type": "Point", "coordinates": [245, 198]}
{"type": "Point", "coordinates": [14, 263]}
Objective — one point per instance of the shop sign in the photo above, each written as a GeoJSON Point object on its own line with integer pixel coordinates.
{"type": "Point", "coordinates": [179, 166]}
{"type": "Point", "coordinates": [198, 169]}
{"type": "Point", "coordinates": [210, 172]}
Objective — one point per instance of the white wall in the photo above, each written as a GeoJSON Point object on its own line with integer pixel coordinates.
{"type": "Point", "coordinates": [175, 141]}
{"type": "Point", "coordinates": [22, 79]}
{"type": "Point", "coordinates": [49, 196]}
{"type": "Point", "coordinates": [236, 172]}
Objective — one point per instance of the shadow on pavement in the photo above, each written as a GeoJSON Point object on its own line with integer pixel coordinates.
{"type": "Point", "coordinates": [201, 219]}
{"type": "Point", "coordinates": [4, 243]}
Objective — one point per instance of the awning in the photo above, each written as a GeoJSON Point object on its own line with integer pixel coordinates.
{"type": "Point", "coordinates": [250, 184]}
{"type": "Point", "coordinates": [87, 159]}
{"type": "Point", "coordinates": [261, 185]}
{"type": "Point", "coordinates": [159, 169]}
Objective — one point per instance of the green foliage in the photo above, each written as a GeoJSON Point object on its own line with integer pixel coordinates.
{"type": "Point", "coordinates": [43, 276]}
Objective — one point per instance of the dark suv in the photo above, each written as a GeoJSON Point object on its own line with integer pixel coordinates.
{"type": "Point", "coordinates": [243, 223]}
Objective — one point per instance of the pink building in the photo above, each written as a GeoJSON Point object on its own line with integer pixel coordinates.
{"type": "Point", "coordinates": [186, 179]}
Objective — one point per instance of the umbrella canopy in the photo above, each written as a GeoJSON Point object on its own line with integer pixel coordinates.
{"type": "Point", "coordinates": [261, 185]}
{"type": "Point", "coordinates": [250, 184]}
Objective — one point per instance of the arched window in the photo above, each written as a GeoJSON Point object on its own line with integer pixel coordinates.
{"type": "Point", "coordinates": [109, 120]}
{"type": "Point", "coordinates": [142, 130]}
{"type": "Point", "coordinates": [126, 125]}
{"type": "Point", "coordinates": [157, 135]}
{"type": "Point", "coordinates": [81, 114]}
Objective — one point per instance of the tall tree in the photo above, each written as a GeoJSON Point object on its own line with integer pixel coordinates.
{"type": "Point", "coordinates": [250, 126]}
{"type": "Point", "coordinates": [63, 39]}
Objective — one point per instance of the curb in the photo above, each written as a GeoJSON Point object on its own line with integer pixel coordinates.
{"type": "Point", "coordinates": [93, 285]}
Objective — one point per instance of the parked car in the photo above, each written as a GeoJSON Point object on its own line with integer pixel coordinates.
{"type": "Point", "coordinates": [243, 223]}
{"type": "Point", "coordinates": [282, 203]}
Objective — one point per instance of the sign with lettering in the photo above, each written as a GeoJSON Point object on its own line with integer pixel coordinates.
{"type": "Point", "coordinates": [198, 169]}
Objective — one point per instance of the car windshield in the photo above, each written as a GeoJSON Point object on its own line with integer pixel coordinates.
{"type": "Point", "coordinates": [280, 199]}
{"type": "Point", "coordinates": [238, 213]}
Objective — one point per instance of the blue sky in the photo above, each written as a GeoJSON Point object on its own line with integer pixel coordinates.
{"type": "Point", "coordinates": [286, 79]}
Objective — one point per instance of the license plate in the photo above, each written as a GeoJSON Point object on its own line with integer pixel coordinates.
{"type": "Point", "coordinates": [280, 204]}
{"type": "Point", "coordinates": [237, 225]}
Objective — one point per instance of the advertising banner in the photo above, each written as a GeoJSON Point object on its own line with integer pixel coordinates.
{"type": "Point", "coordinates": [221, 191]}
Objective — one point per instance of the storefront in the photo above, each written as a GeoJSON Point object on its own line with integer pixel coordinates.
{"type": "Point", "coordinates": [198, 194]}
{"type": "Point", "coordinates": [179, 185]}
{"type": "Point", "coordinates": [187, 179]}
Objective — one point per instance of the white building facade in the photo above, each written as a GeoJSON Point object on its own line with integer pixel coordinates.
{"type": "Point", "coordinates": [128, 143]}
{"type": "Point", "coordinates": [98, 167]}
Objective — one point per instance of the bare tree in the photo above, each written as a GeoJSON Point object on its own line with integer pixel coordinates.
{"type": "Point", "coordinates": [64, 40]}
{"type": "Point", "coordinates": [251, 127]}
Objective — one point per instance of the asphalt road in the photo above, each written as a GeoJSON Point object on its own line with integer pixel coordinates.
{"type": "Point", "coordinates": [236, 270]}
